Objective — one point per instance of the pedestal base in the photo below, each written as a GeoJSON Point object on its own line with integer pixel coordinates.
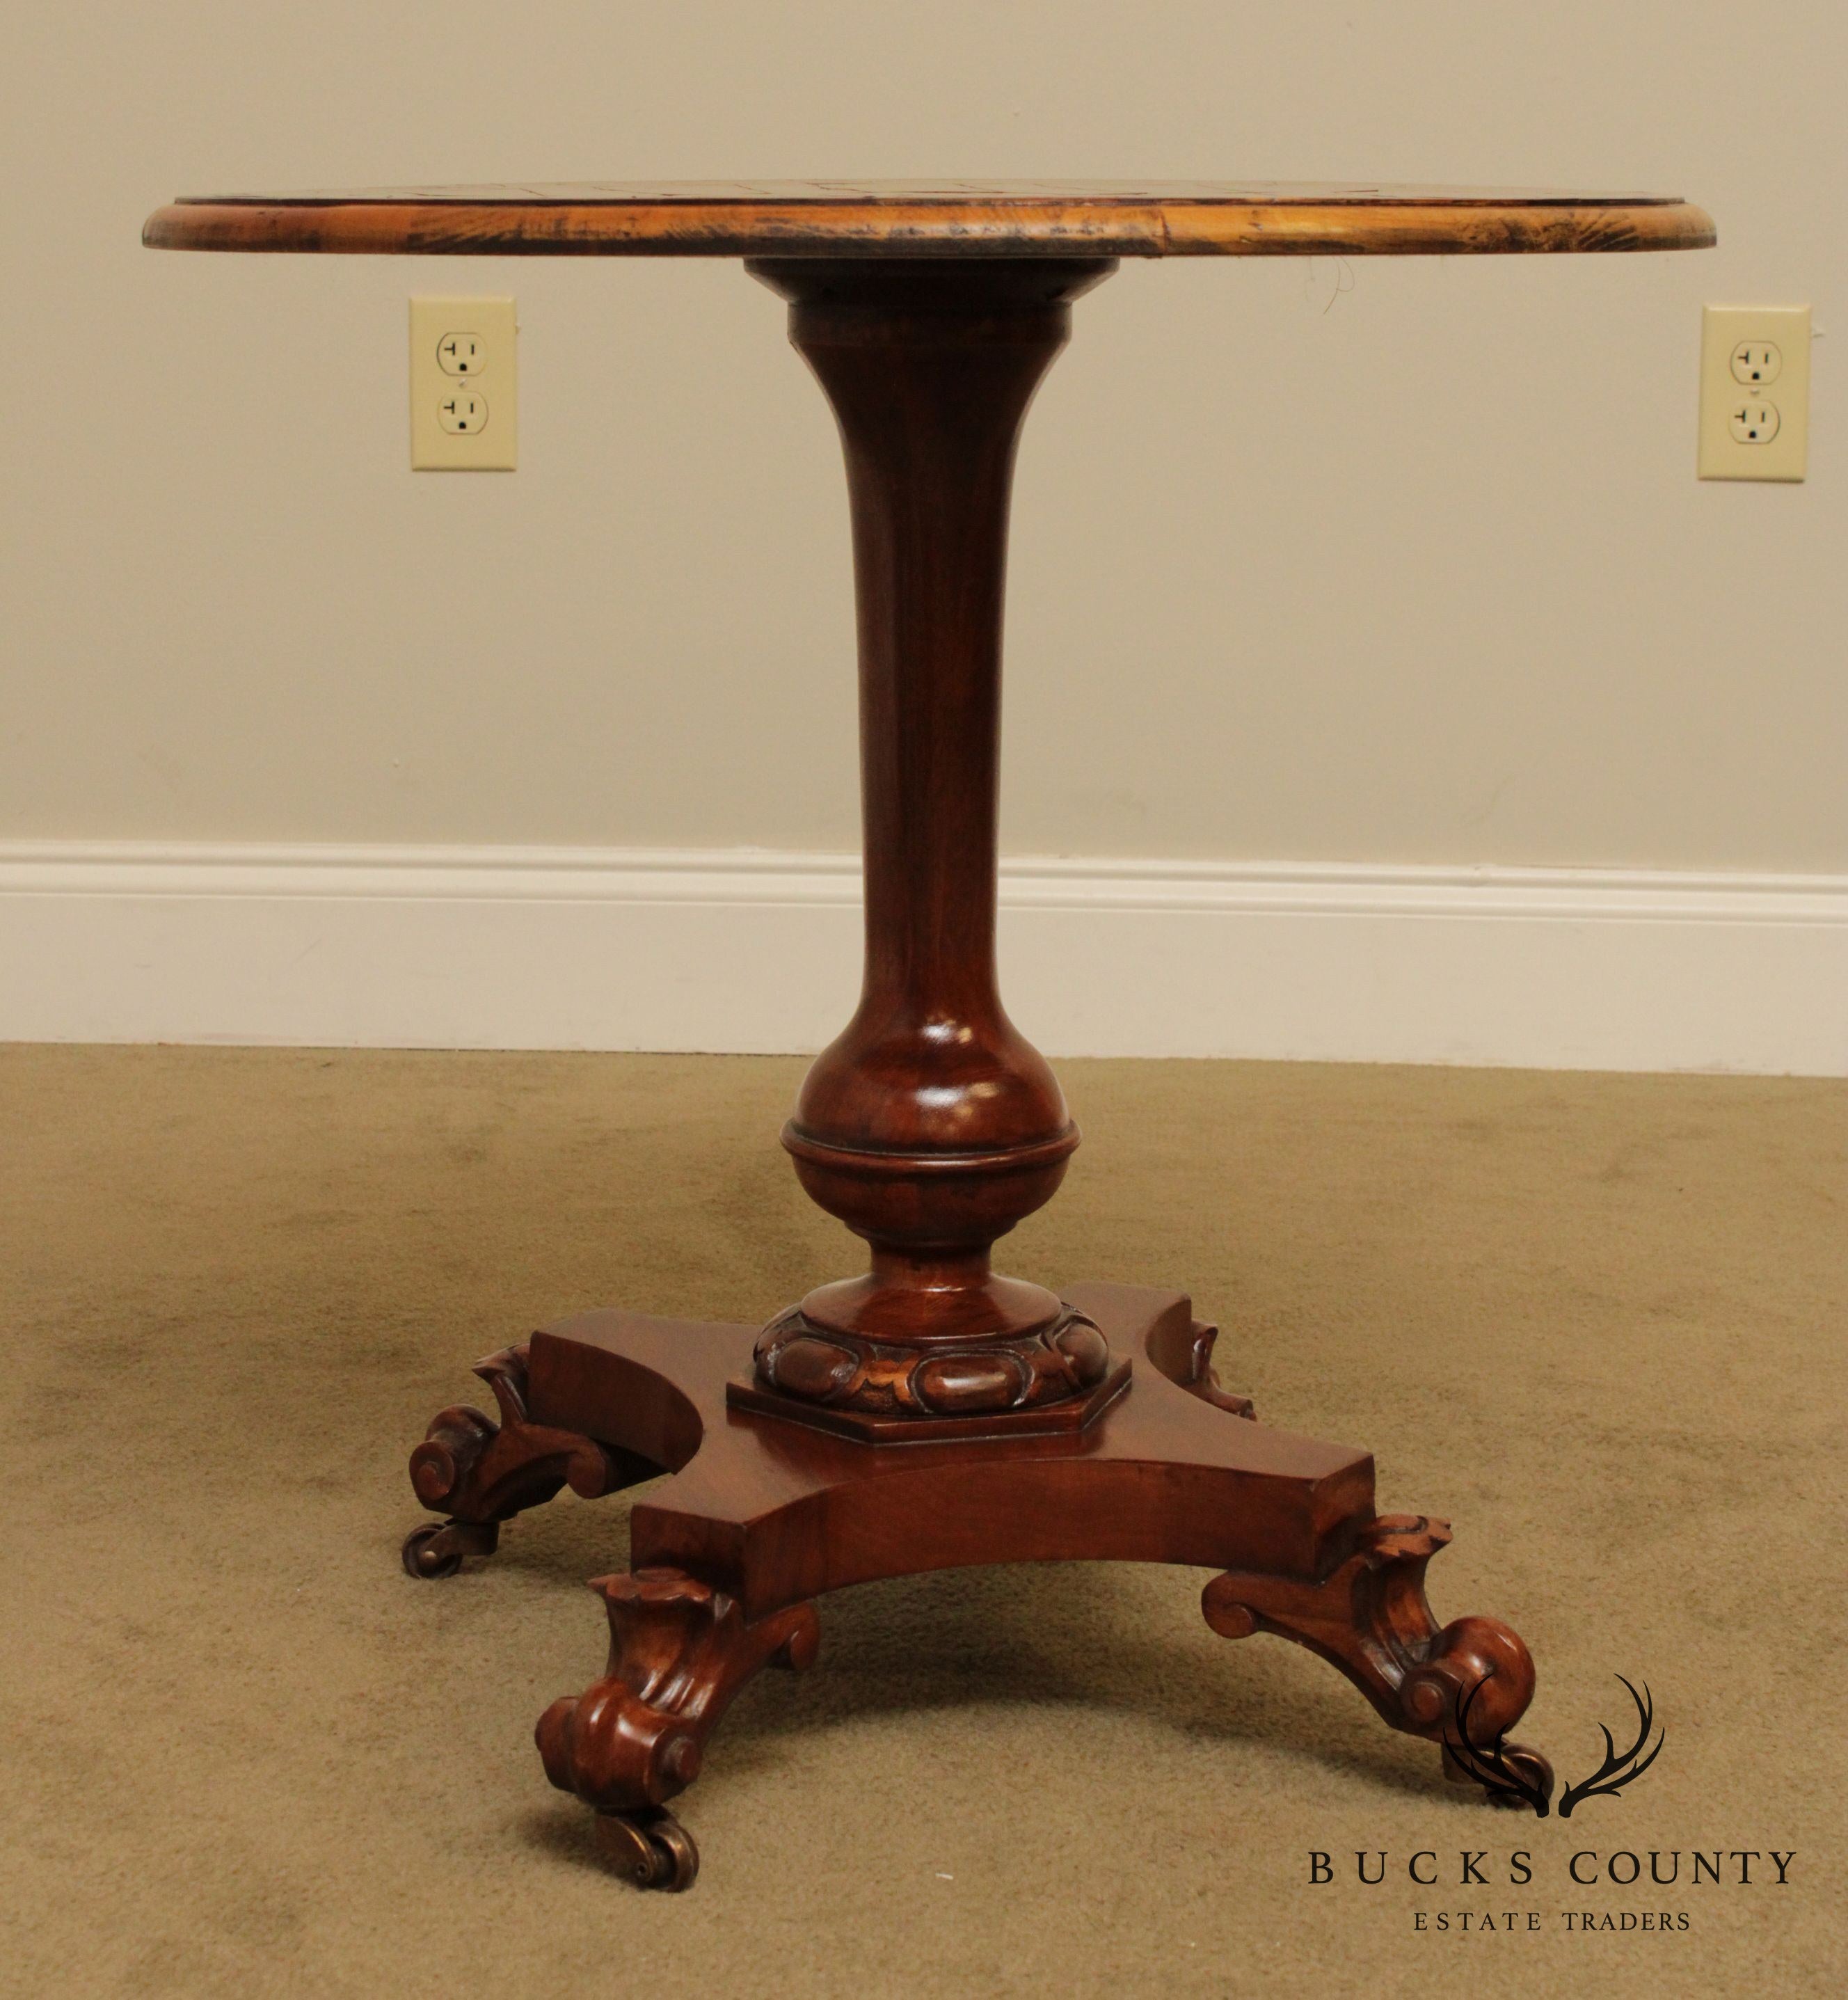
{"type": "Point", "coordinates": [766, 1514]}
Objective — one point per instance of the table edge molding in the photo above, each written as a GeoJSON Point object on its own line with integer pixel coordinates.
{"type": "Point", "coordinates": [921, 229]}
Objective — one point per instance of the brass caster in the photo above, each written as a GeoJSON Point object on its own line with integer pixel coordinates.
{"type": "Point", "coordinates": [437, 1548]}
{"type": "Point", "coordinates": [1531, 1773]}
{"type": "Point", "coordinates": [1512, 1776]}
{"type": "Point", "coordinates": [651, 1849]}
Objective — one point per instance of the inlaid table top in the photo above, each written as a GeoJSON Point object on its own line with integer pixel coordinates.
{"type": "Point", "coordinates": [914, 218]}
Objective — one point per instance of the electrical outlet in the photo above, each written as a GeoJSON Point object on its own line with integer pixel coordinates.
{"type": "Point", "coordinates": [1756, 362]}
{"type": "Point", "coordinates": [463, 410]}
{"type": "Point", "coordinates": [1752, 421]}
{"type": "Point", "coordinates": [464, 385]}
{"type": "Point", "coordinates": [466, 354]}
{"type": "Point", "coordinates": [1755, 392]}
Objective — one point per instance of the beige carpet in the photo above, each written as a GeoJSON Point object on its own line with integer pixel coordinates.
{"type": "Point", "coordinates": [1597, 1321]}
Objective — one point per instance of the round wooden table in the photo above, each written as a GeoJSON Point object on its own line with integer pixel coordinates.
{"type": "Point", "coordinates": [930, 1413]}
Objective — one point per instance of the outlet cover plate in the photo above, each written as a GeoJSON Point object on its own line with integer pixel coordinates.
{"type": "Point", "coordinates": [463, 349]}
{"type": "Point", "coordinates": [1724, 331]}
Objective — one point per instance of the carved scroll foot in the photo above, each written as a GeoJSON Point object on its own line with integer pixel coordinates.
{"type": "Point", "coordinates": [679, 1652]}
{"type": "Point", "coordinates": [1464, 1686]}
{"type": "Point", "coordinates": [481, 1473]}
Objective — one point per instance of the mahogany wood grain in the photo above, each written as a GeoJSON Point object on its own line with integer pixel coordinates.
{"type": "Point", "coordinates": [930, 1125]}
{"type": "Point", "coordinates": [779, 1513]}
{"type": "Point", "coordinates": [922, 218]}
{"type": "Point", "coordinates": [764, 1516]}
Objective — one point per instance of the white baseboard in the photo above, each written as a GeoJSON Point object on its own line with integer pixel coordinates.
{"type": "Point", "coordinates": [519, 948]}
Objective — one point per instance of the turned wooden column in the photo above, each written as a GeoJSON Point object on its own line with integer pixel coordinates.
{"type": "Point", "coordinates": [931, 1127]}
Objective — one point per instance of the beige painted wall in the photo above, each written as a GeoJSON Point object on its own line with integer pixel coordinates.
{"type": "Point", "coordinates": [1389, 561]}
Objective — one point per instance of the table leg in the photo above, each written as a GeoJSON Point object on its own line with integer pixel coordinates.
{"type": "Point", "coordinates": [931, 1127]}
